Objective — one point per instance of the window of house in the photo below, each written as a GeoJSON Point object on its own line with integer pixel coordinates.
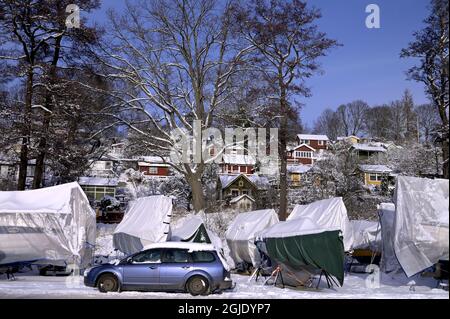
{"type": "Point", "coordinates": [153, 170]}
{"type": "Point", "coordinates": [304, 142]}
{"type": "Point", "coordinates": [303, 154]}
{"type": "Point", "coordinates": [373, 177]}
{"type": "Point", "coordinates": [321, 143]}
{"type": "Point", "coordinates": [243, 169]}
{"type": "Point", "coordinates": [98, 192]}
{"type": "Point", "coordinates": [234, 192]}
{"type": "Point", "coordinates": [108, 165]}
{"type": "Point", "coordinates": [236, 168]}
{"type": "Point", "coordinates": [241, 183]}
{"type": "Point", "coordinates": [245, 192]}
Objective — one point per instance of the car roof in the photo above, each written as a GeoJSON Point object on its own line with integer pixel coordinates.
{"type": "Point", "coordinates": [181, 245]}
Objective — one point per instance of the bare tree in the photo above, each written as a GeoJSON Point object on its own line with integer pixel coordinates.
{"type": "Point", "coordinates": [287, 44]}
{"type": "Point", "coordinates": [172, 62]}
{"type": "Point", "coordinates": [328, 123]}
{"type": "Point", "coordinates": [378, 122]}
{"type": "Point", "coordinates": [352, 117]}
{"type": "Point", "coordinates": [427, 120]}
{"type": "Point", "coordinates": [431, 47]}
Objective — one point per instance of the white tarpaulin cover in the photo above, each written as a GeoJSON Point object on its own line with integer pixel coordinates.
{"type": "Point", "coordinates": [386, 215]}
{"type": "Point", "coordinates": [187, 228]}
{"type": "Point", "coordinates": [242, 232]}
{"type": "Point", "coordinates": [366, 235]}
{"type": "Point", "coordinates": [327, 214]}
{"type": "Point", "coordinates": [294, 227]}
{"type": "Point", "coordinates": [421, 222]}
{"type": "Point", "coordinates": [192, 228]}
{"type": "Point", "coordinates": [53, 225]}
{"type": "Point", "coordinates": [147, 221]}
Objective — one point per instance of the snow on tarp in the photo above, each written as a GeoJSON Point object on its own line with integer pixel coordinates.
{"type": "Point", "coordinates": [53, 225]}
{"type": "Point", "coordinates": [421, 222]}
{"type": "Point", "coordinates": [386, 215]}
{"type": "Point", "coordinates": [190, 228]}
{"type": "Point", "coordinates": [241, 234]}
{"type": "Point", "coordinates": [327, 214]}
{"type": "Point", "coordinates": [294, 227]}
{"type": "Point", "coordinates": [366, 235]}
{"type": "Point", "coordinates": [147, 221]}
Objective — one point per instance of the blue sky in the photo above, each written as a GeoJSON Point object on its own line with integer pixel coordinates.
{"type": "Point", "coordinates": [368, 65]}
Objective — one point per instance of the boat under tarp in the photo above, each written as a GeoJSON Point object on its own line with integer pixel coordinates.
{"type": "Point", "coordinates": [147, 221]}
{"type": "Point", "coordinates": [302, 246]}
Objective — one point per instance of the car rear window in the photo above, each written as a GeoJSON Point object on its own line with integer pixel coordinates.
{"type": "Point", "coordinates": [202, 257]}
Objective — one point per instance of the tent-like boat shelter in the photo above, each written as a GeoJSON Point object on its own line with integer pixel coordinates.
{"type": "Point", "coordinates": [54, 226]}
{"type": "Point", "coordinates": [241, 235]}
{"type": "Point", "coordinates": [302, 245]}
{"type": "Point", "coordinates": [327, 213]}
{"type": "Point", "coordinates": [147, 221]}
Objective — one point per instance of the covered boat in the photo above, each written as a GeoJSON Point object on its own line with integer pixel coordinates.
{"type": "Point", "coordinates": [326, 214]}
{"type": "Point", "coordinates": [241, 235]}
{"type": "Point", "coordinates": [421, 222]}
{"type": "Point", "coordinates": [54, 226]}
{"type": "Point", "coordinates": [147, 221]}
{"type": "Point", "coordinates": [386, 215]}
{"type": "Point", "coordinates": [302, 247]}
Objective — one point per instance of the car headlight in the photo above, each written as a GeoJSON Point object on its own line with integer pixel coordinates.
{"type": "Point", "coordinates": [86, 272]}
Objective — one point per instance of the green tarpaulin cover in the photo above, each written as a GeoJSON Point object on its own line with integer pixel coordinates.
{"type": "Point", "coordinates": [323, 250]}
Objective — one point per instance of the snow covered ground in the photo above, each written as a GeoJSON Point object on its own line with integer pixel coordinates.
{"type": "Point", "coordinates": [397, 287]}
{"type": "Point", "coordinates": [356, 286]}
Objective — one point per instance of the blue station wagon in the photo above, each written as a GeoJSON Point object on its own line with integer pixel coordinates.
{"type": "Point", "coordinates": [171, 266]}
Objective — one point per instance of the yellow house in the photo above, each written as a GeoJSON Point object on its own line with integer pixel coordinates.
{"type": "Point", "coordinates": [352, 139]}
{"type": "Point", "coordinates": [295, 173]}
{"type": "Point", "coordinates": [373, 174]}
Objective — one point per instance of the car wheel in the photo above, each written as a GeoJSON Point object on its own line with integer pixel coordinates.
{"type": "Point", "coordinates": [198, 285]}
{"type": "Point", "coordinates": [108, 283]}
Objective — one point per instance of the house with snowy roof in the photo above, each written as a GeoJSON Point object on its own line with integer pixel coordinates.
{"type": "Point", "coordinates": [364, 151]}
{"type": "Point", "coordinates": [308, 149]}
{"type": "Point", "coordinates": [154, 166]}
{"type": "Point", "coordinates": [231, 186]}
{"type": "Point", "coordinates": [235, 164]}
{"type": "Point", "coordinates": [373, 175]}
{"type": "Point", "coordinates": [96, 188]}
{"type": "Point", "coordinates": [295, 172]}
{"type": "Point", "coordinates": [243, 203]}
{"type": "Point", "coordinates": [352, 139]}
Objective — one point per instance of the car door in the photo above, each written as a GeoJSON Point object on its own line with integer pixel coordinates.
{"type": "Point", "coordinates": [176, 264]}
{"type": "Point", "coordinates": [143, 270]}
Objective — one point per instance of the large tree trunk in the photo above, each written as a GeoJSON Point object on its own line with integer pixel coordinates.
{"type": "Point", "coordinates": [42, 149]}
{"type": "Point", "coordinates": [40, 159]}
{"type": "Point", "coordinates": [282, 214]}
{"type": "Point", "coordinates": [26, 131]}
{"type": "Point", "coordinates": [198, 199]}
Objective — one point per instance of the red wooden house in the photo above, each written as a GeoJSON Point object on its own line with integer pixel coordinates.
{"type": "Point", "coordinates": [154, 166]}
